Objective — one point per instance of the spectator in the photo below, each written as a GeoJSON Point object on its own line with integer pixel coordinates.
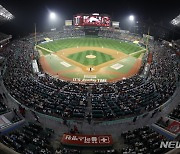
{"type": "Point", "coordinates": [134, 119]}
{"type": "Point", "coordinates": [76, 129]}
{"type": "Point", "coordinates": [58, 151]}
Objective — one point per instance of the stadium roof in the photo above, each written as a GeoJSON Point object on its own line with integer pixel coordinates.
{"type": "Point", "coordinates": [176, 21]}
{"type": "Point", "coordinates": [5, 15]}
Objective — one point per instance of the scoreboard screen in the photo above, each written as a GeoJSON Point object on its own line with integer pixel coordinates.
{"type": "Point", "coordinates": [115, 24]}
{"type": "Point", "coordinates": [68, 22]}
{"type": "Point", "coordinates": [92, 20]}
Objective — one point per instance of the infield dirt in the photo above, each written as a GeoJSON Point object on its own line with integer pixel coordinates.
{"type": "Point", "coordinates": [97, 70]}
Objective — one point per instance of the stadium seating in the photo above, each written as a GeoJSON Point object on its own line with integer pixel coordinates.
{"type": "Point", "coordinates": [31, 138]}
{"type": "Point", "coordinates": [3, 36]}
{"type": "Point", "coordinates": [143, 140]}
{"type": "Point", "coordinates": [175, 114]}
{"type": "Point", "coordinates": [100, 101]}
{"type": "Point", "coordinates": [67, 151]}
{"type": "Point", "coordinates": [58, 98]}
{"type": "Point", "coordinates": [3, 106]}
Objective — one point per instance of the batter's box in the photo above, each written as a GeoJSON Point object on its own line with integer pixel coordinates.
{"type": "Point", "coordinates": [117, 66]}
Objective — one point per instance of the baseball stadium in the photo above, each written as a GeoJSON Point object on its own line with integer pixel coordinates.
{"type": "Point", "coordinates": [89, 83]}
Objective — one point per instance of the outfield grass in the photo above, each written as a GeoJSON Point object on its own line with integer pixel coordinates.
{"type": "Point", "coordinates": [80, 57]}
{"type": "Point", "coordinates": [125, 47]}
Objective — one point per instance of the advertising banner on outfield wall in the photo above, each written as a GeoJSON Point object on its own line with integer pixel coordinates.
{"type": "Point", "coordinates": [87, 140]}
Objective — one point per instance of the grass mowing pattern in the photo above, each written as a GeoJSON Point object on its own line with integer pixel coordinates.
{"type": "Point", "coordinates": [80, 57]}
{"type": "Point", "coordinates": [125, 47]}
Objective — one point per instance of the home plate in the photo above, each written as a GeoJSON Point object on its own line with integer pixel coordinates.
{"type": "Point", "coordinates": [65, 64]}
{"type": "Point", "coordinates": [117, 66]}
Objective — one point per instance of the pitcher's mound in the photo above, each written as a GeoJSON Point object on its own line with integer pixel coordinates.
{"type": "Point", "coordinates": [90, 56]}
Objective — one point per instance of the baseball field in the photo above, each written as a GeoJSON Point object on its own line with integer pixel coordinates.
{"type": "Point", "coordinates": [90, 59]}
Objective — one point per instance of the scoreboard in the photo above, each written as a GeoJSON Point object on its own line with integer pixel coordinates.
{"type": "Point", "coordinates": [95, 19]}
{"type": "Point", "coordinates": [68, 22]}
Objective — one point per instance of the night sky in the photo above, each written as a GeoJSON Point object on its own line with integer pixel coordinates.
{"type": "Point", "coordinates": [28, 12]}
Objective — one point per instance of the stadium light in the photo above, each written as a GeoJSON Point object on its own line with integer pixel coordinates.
{"type": "Point", "coordinates": [5, 14]}
{"type": "Point", "coordinates": [176, 21]}
{"type": "Point", "coordinates": [53, 18]}
{"type": "Point", "coordinates": [52, 15]}
{"type": "Point", "coordinates": [131, 18]}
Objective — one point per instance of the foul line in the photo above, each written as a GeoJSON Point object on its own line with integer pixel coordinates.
{"type": "Point", "coordinates": [137, 52]}
{"type": "Point", "coordinates": [44, 49]}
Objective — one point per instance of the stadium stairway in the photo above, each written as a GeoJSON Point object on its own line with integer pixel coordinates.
{"type": "Point", "coordinates": [89, 104]}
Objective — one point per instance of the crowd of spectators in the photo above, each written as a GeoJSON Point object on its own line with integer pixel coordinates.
{"type": "Point", "coordinates": [59, 98]}
{"type": "Point", "coordinates": [175, 114]}
{"type": "Point", "coordinates": [56, 35]}
{"type": "Point", "coordinates": [163, 122]}
{"type": "Point", "coordinates": [143, 140]}
{"type": "Point", "coordinates": [137, 94]}
{"type": "Point", "coordinates": [31, 138]}
{"type": "Point", "coordinates": [108, 151]}
{"type": "Point", "coordinates": [147, 140]}
{"type": "Point", "coordinates": [13, 116]}
{"type": "Point", "coordinates": [120, 35]}
{"type": "Point", "coordinates": [3, 36]}
{"type": "Point", "coordinates": [3, 106]}
{"type": "Point", "coordinates": [67, 151]}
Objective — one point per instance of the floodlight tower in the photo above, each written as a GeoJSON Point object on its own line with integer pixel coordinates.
{"type": "Point", "coordinates": [52, 17]}
{"type": "Point", "coordinates": [176, 23]}
{"type": "Point", "coordinates": [131, 18]}
{"type": "Point", "coordinates": [35, 38]}
{"type": "Point", "coordinates": [131, 21]}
